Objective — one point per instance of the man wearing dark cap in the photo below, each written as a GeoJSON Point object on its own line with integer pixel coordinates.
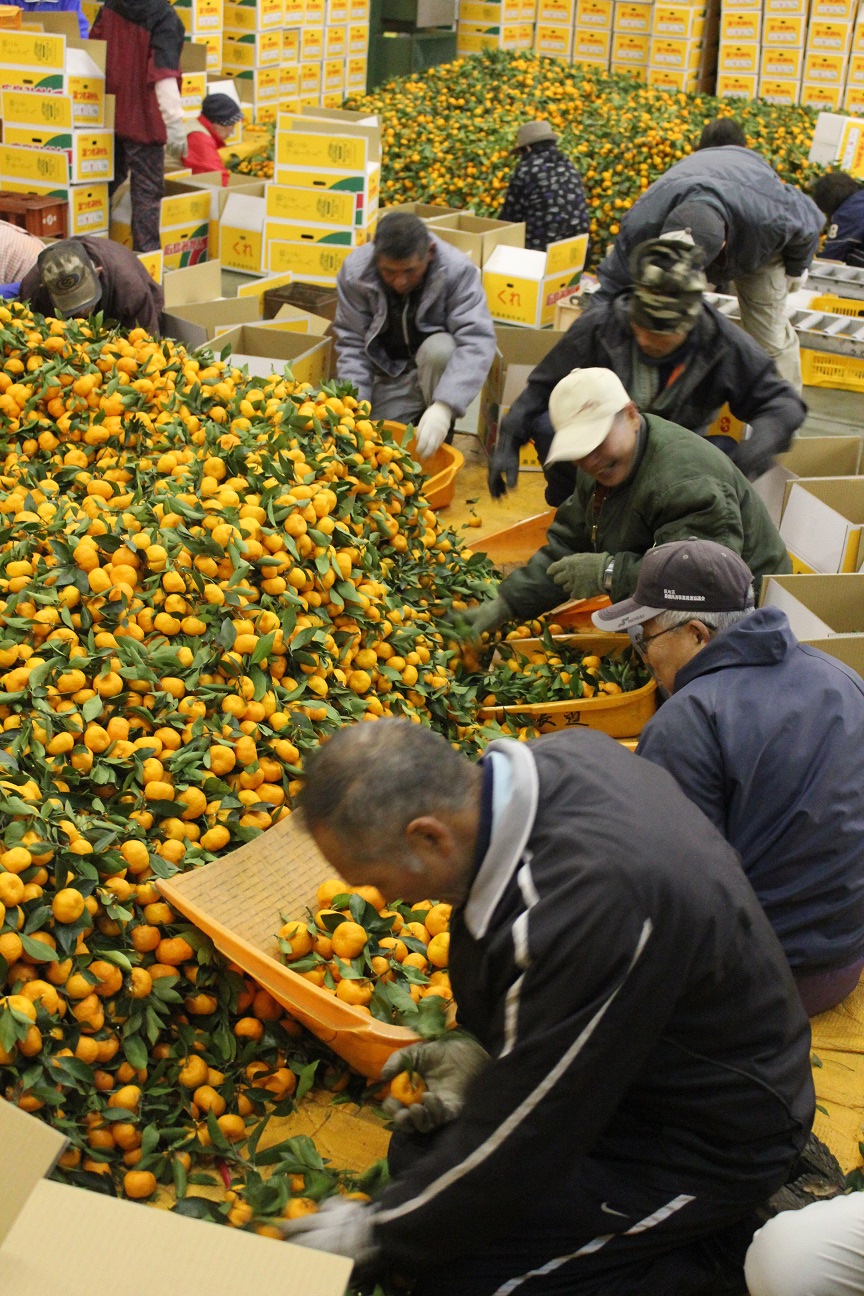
{"type": "Point", "coordinates": [765, 735]}
{"type": "Point", "coordinates": [208, 133]}
{"type": "Point", "coordinates": [677, 357]}
{"type": "Point", "coordinates": [545, 190]}
{"type": "Point", "coordinates": [78, 277]}
{"type": "Point", "coordinates": [753, 230]}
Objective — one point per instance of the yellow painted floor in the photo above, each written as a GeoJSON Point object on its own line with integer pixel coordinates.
{"type": "Point", "coordinates": [494, 515]}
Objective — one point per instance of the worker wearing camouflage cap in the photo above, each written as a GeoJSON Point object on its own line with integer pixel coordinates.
{"type": "Point", "coordinates": [677, 357]}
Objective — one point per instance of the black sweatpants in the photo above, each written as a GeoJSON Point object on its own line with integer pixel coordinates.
{"type": "Point", "coordinates": [145, 166]}
{"type": "Point", "coordinates": [607, 1235]}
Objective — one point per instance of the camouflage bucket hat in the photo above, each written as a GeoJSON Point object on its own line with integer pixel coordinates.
{"type": "Point", "coordinates": [668, 283]}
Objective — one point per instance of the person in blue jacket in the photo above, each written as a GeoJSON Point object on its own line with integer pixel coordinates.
{"type": "Point", "coordinates": [842, 200]}
{"type": "Point", "coordinates": [765, 735]}
{"type": "Point", "coordinates": [29, 7]}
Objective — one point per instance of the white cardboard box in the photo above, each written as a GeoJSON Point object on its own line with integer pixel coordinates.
{"type": "Point", "coordinates": [823, 524]}
{"type": "Point", "coordinates": [523, 286]}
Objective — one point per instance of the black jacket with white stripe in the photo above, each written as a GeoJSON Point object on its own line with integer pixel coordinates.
{"type": "Point", "coordinates": [638, 1009]}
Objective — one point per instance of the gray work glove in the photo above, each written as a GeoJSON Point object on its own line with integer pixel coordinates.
{"type": "Point", "coordinates": [470, 625]}
{"type": "Point", "coordinates": [339, 1227]}
{"type": "Point", "coordinates": [794, 282]}
{"type": "Point", "coordinates": [580, 575]}
{"type": "Point", "coordinates": [177, 141]}
{"type": "Point", "coordinates": [503, 465]}
{"type": "Point", "coordinates": [448, 1066]}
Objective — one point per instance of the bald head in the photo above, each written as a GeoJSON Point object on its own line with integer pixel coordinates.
{"type": "Point", "coordinates": [393, 805]}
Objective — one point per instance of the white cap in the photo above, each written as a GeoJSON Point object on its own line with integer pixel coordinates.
{"type": "Point", "coordinates": [583, 408]}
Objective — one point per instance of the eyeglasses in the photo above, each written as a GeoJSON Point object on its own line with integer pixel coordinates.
{"type": "Point", "coordinates": [640, 641]}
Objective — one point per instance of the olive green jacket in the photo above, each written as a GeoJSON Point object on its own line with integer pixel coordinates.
{"type": "Point", "coordinates": [681, 486]}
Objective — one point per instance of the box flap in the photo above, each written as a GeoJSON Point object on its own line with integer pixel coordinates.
{"type": "Point", "coordinates": [258, 287]}
{"type": "Point", "coordinates": [150, 1250]}
{"type": "Point", "coordinates": [818, 517]}
{"type": "Point", "coordinates": [517, 263]}
{"type": "Point", "coordinates": [515, 382]}
{"type": "Point", "coordinates": [197, 283]}
{"type": "Point", "coordinates": [341, 115]}
{"type": "Point", "coordinates": [61, 23]}
{"type": "Point", "coordinates": [193, 58]}
{"type": "Point", "coordinates": [837, 600]}
{"type": "Point", "coordinates": [86, 58]}
{"type": "Point", "coordinates": [197, 323]}
{"type": "Point", "coordinates": [243, 211]}
{"type": "Point", "coordinates": [805, 623]}
{"type": "Point", "coordinates": [823, 456]}
{"type": "Point", "coordinates": [311, 323]}
{"type": "Point", "coordinates": [771, 488]}
{"type": "Point", "coordinates": [848, 649]}
{"type": "Point", "coordinates": [30, 1150]}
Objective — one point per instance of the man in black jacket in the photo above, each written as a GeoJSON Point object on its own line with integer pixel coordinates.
{"type": "Point", "coordinates": [642, 1078]}
{"type": "Point", "coordinates": [545, 190]}
{"type": "Point", "coordinates": [676, 355]}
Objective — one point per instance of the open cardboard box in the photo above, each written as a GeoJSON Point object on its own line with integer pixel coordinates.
{"type": "Point", "coordinates": [823, 524]}
{"type": "Point", "coordinates": [816, 456]}
{"type": "Point", "coordinates": [426, 211]}
{"type": "Point", "coordinates": [63, 64]}
{"type": "Point", "coordinates": [266, 350]}
{"type": "Point", "coordinates": [518, 351]}
{"type": "Point", "coordinates": [478, 236]}
{"type": "Point", "coordinates": [140, 1250]}
{"type": "Point", "coordinates": [825, 612]}
{"type": "Point", "coordinates": [524, 287]}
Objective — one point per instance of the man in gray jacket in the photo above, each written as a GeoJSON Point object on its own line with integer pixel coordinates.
{"type": "Point", "coordinates": [413, 331]}
{"type": "Point", "coordinates": [752, 228]}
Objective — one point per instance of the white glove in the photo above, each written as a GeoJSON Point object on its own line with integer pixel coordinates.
{"type": "Point", "coordinates": [433, 428]}
{"type": "Point", "coordinates": [448, 1066]}
{"type": "Point", "coordinates": [795, 282]}
{"type": "Point", "coordinates": [171, 111]}
{"type": "Point", "coordinates": [339, 1227]}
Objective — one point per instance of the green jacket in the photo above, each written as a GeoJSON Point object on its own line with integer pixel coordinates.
{"type": "Point", "coordinates": [681, 486]}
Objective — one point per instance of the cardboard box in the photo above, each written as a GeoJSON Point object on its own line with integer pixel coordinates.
{"type": "Point", "coordinates": [678, 22]}
{"type": "Point", "coordinates": [825, 70]}
{"type": "Point", "coordinates": [193, 88]}
{"type": "Point", "coordinates": [825, 37]}
{"type": "Point", "coordinates": [784, 94]}
{"type": "Point", "coordinates": [858, 37]}
{"type": "Point", "coordinates": [200, 16]}
{"type": "Point", "coordinates": [741, 28]}
{"type": "Point", "coordinates": [553, 39]}
{"type": "Point", "coordinates": [478, 236]}
{"type": "Point", "coordinates": [265, 15]}
{"type": "Point", "coordinates": [252, 50]}
{"type": "Point", "coordinates": [816, 456]}
{"type": "Point", "coordinates": [358, 39]}
{"type": "Point", "coordinates": [184, 223]}
{"type": "Point", "coordinates": [333, 78]}
{"type": "Point", "coordinates": [855, 72]}
{"type": "Point", "coordinates": [310, 81]}
{"type": "Point", "coordinates": [557, 12]}
{"type": "Point", "coordinates": [783, 64]}
{"type": "Point", "coordinates": [791, 8]}
{"type": "Point", "coordinates": [632, 17]}
{"type": "Point", "coordinates": [313, 262]}
{"type": "Point", "coordinates": [198, 323]}
{"type": "Point", "coordinates": [739, 60]}
{"type": "Point", "coordinates": [637, 70]}
{"type": "Point", "coordinates": [834, 10]}
{"type": "Point", "coordinates": [336, 11]}
{"type": "Point", "coordinates": [820, 98]}
{"type": "Point", "coordinates": [524, 287]}
{"type": "Point", "coordinates": [473, 38]}
{"type": "Point", "coordinates": [313, 15]}
{"type": "Point", "coordinates": [57, 65]}
{"type": "Point", "coordinates": [336, 42]}
{"type": "Point", "coordinates": [732, 86]}
{"type": "Point", "coordinates": [782, 31]}
{"type": "Point", "coordinates": [675, 55]}
{"type": "Point", "coordinates": [358, 11]}
{"type": "Point", "coordinates": [630, 50]}
{"type": "Point", "coordinates": [819, 607]}
{"type": "Point", "coordinates": [349, 236]}
{"type": "Point", "coordinates": [154, 264]}
{"type": "Point", "coordinates": [823, 524]}
{"type": "Point", "coordinates": [741, 6]}
{"type": "Point", "coordinates": [356, 74]}
{"type": "Point", "coordinates": [290, 45]}
{"type": "Point", "coordinates": [89, 154]}
{"type": "Point", "coordinates": [212, 42]}
{"type": "Point", "coordinates": [490, 14]}
{"type": "Point", "coordinates": [87, 206]}
{"type": "Point", "coordinates": [311, 44]}
{"type": "Point", "coordinates": [853, 99]}
{"type": "Point", "coordinates": [594, 13]}
{"type": "Point", "coordinates": [521, 348]}
{"type": "Point", "coordinates": [266, 350]}
{"type": "Point", "coordinates": [591, 46]}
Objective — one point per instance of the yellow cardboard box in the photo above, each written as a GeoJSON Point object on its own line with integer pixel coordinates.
{"type": "Point", "coordinates": [305, 142]}
{"type": "Point", "coordinates": [557, 12]}
{"type": "Point", "coordinates": [32, 108]}
{"type": "Point", "coordinates": [477, 236]}
{"type": "Point", "coordinates": [336, 11]}
{"type": "Point", "coordinates": [262, 16]}
{"type": "Point", "coordinates": [83, 80]}
{"type": "Point", "coordinates": [311, 44]}
{"type": "Point", "coordinates": [592, 45]}
{"type": "Point", "coordinates": [314, 13]}
{"type": "Point", "coordinates": [783, 93]}
{"type": "Point", "coordinates": [212, 42]}
{"type": "Point", "coordinates": [290, 45]}
{"type": "Point", "coordinates": [740, 60]}
{"type": "Point", "coordinates": [333, 78]}
{"type": "Point", "coordinates": [730, 86]}
{"type": "Point", "coordinates": [252, 50]}
{"type": "Point", "coordinates": [87, 205]}
{"type": "Point", "coordinates": [193, 88]}
{"type": "Point", "coordinates": [853, 100]}
{"type": "Point", "coordinates": [490, 14]}
{"type": "Point", "coordinates": [675, 55]}
{"type": "Point", "coordinates": [825, 70]}
{"type": "Point", "coordinates": [594, 13]}
{"type": "Point", "coordinates": [90, 154]}
{"type": "Point", "coordinates": [200, 16]}
{"type": "Point", "coordinates": [785, 64]}
{"type": "Point", "coordinates": [662, 78]}
{"type": "Point", "coordinates": [358, 11]}
{"type": "Point", "coordinates": [356, 70]}
{"type": "Point", "coordinates": [835, 10]}
{"type": "Point", "coordinates": [310, 80]}
{"type": "Point", "coordinates": [336, 41]}
{"type": "Point", "coordinates": [241, 233]}
{"type": "Point", "coordinates": [153, 263]}
{"type": "Point", "coordinates": [262, 84]}
{"type": "Point", "coordinates": [314, 263]}
{"type": "Point", "coordinates": [289, 82]}
{"type": "Point", "coordinates": [741, 27]}
{"type": "Point", "coordinates": [637, 70]}
{"type": "Point", "coordinates": [855, 72]}
{"type": "Point", "coordinates": [782, 31]}
{"type": "Point", "coordinates": [791, 8]}
{"type": "Point", "coordinates": [553, 39]}
{"type": "Point", "coordinates": [630, 50]}
{"type": "Point", "coordinates": [822, 98]}
{"type": "Point", "coordinates": [523, 287]}
{"type": "Point", "coordinates": [264, 349]}
{"type": "Point", "coordinates": [823, 523]}
{"type": "Point", "coordinates": [295, 13]}
{"type": "Point", "coordinates": [360, 188]}
{"type": "Point", "coordinates": [632, 17]}
{"type": "Point", "coordinates": [826, 37]}
{"type": "Point", "coordinates": [741, 6]}
{"type": "Point", "coordinates": [329, 235]}
{"type": "Point", "coordinates": [358, 39]}
{"type": "Point", "coordinates": [678, 22]}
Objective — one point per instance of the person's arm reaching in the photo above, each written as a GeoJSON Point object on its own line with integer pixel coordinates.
{"type": "Point", "coordinates": [470, 326]}
{"type": "Point", "coordinates": [681, 739]}
{"type": "Point", "coordinates": [529, 591]}
{"type": "Point", "coordinates": [351, 327]}
{"type": "Point", "coordinates": [774, 411]}
{"type": "Point", "coordinates": [806, 223]}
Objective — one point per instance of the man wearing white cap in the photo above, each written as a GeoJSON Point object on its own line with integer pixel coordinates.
{"type": "Point", "coordinates": [641, 481]}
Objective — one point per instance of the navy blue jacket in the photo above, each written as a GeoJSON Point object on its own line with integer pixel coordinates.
{"type": "Point", "coordinates": [766, 736]}
{"type": "Point", "coordinates": [845, 238]}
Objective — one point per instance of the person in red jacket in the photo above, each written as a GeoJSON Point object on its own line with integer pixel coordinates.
{"type": "Point", "coordinates": [208, 133]}
{"type": "Point", "coordinates": [145, 40]}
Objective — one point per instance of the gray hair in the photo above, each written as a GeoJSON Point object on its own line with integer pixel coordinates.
{"type": "Point", "coordinates": [370, 780]}
{"type": "Point", "coordinates": [401, 236]}
{"type": "Point", "coordinates": [715, 621]}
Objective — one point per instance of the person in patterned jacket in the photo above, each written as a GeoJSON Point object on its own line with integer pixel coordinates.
{"type": "Point", "coordinates": [545, 191]}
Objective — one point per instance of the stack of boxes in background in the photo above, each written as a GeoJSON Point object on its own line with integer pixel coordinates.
{"type": "Point", "coordinates": [323, 56]}
{"type": "Point", "coordinates": [680, 48]}
{"type": "Point", "coordinates": [592, 33]}
{"type": "Point", "coordinates": [792, 51]}
{"type": "Point", "coordinates": [501, 25]}
{"type": "Point", "coordinates": [58, 136]}
{"type": "Point", "coordinates": [203, 21]}
{"type": "Point", "coordinates": [664, 44]}
{"type": "Point", "coordinates": [252, 51]}
{"type": "Point", "coordinates": [631, 37]}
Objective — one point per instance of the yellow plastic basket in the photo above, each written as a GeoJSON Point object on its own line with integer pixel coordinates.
{"type": "Point", "coordinates": [441, 468]}
{"type": "Point", "coordinates": [623, 715]}
{"type": "Point", "coordinates": [837, 305]}
{"type": "Point", "coordinates": [824, 369]}
{"type": "Point", "coordinates": [239, 900]}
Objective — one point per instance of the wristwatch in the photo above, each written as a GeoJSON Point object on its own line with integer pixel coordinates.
{"type": "Point", "coordinates": [607, 575]}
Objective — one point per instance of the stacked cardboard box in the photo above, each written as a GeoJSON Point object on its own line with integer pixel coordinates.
{"type": "Point", "coordinates": [203, 22]}
{"type": "Point", "coordinates": [494, 25]}
{"type": "Point", "coordinates": [184, 223]}
{"type": "Point", "coordinates": [677, 46]}
{"type": "Point", "coordinates": [793, 51]}
{"type": "Point", "coordinates": [523, 286]}
{"type": "Point", "coordinates": [826, 54]}
{"type": "Point", "coordinates": [631, 37]}
{"type": "Point", "coordinates": [58, 136]}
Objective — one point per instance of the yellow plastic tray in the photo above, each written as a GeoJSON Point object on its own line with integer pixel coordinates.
{"type": "Point", "coordinates": [837, 305]}
{"type": "Point", "coordinates": [824, 369]}
{"type": "Point", "coordinates": [239, 901]}
{"type": "Point", "coordinates": [623, 715]}
{"type": "Point", "coordinates": [441, 468]}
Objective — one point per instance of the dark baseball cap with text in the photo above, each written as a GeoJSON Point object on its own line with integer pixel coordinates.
{"type": "Point", "coordinates": [684, 576]}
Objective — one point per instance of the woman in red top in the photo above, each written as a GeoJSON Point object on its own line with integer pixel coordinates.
{"type": "Point", "coordinates": [204, 138]}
